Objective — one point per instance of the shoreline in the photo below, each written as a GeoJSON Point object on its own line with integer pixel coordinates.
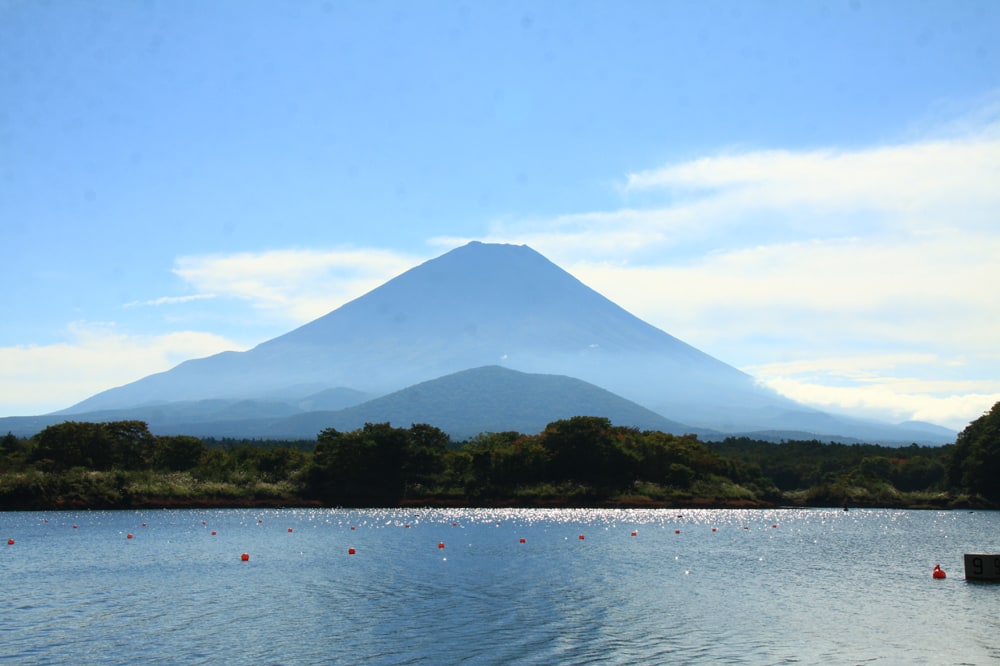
{"type": "Point", "coordinates": [946, 504]}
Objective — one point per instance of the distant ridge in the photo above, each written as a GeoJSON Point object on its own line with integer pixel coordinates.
{"type": "Point", "coordinates": [476, 306]}
{"type": "Point", "coordinates": [489, 399]}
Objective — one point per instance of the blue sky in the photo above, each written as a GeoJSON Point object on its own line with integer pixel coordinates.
{"type": "Point", "coordinates": [809, 191]}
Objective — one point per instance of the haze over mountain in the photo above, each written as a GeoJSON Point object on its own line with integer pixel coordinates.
{"type": "Point", "coordinates": [479, 305]}
{"type": "Point", "coordinates": [463, 404]}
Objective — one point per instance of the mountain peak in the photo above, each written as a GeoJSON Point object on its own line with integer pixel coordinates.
{"type": "Point", "coordinates": [483, 304]}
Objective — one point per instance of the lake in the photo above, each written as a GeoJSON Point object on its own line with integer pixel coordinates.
{"type": "Point", "coordinates": [450, 586]}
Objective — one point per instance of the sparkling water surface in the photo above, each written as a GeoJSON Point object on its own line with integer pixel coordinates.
{"type": "Point", "coordinates": [811, 586]}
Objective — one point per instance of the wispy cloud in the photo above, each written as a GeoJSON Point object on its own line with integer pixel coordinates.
{"type": "Point", "coordinates": [907, 181]}
{"type": "Point", "coordinates": [170, 300]}
{"type": "Point", "coordinates": [92, 358]}
{"type": "Point", "coordinates": [295, 285]}
{"type": "Point", "coordinates": [890, 385]}
{"type": "Point", "coordinates": [728, 201]}
{"type": "Point", "coordinates": [890, 399]}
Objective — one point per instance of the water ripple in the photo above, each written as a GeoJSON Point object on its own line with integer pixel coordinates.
{"type": "Point", "coordinates": [690, 587]}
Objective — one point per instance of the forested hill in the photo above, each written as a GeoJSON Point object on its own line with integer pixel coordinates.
{"type": "Point", "coordinates": [579, 461]}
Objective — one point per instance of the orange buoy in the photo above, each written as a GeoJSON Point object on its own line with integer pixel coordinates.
{"type": "Point", "coordinates": [350, 551]}
{"type": "Point", "coordinates": [715, 529]}
{"type": "Point", "coordinates": [440, 545]}
{"type": "Point", "coordinates": [213, 532]}
{"type": "Point", "coordinates": [677, 531]}
{"type": "Point", "coordinates": [352, 528]}
{"type": "Point", "coordinates": [454, 524]}
{"type": "Point", "coordinates": [774, 527]}
{"type": "Point", "coordinates": [939, 572]}
{"type": "Point", "coordinates": [128, 536]}
{"type": "Point", "coordinates": [10, 542]}
{"type": "Point", "coordinates": [581, 537]}
{"type": "Point", "coordinates": [144, 524]}
{"type": "Point", "coordinates": [245, 557]}
{"type": "Point", "coordinates": [635, 534]}
{"type": "Point", "coordinates": [522, 539]}
{"type": "Point", "coordinates": [407, 526]}
{"type": "Point", "coordinates": [75, 527]}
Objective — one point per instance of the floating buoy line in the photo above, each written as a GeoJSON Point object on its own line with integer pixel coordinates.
{"type": "Point", "coordinates": [938, 572]}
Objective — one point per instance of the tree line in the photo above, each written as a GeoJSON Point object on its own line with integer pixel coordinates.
{"type": "Point", "coordinates": [580, 461]}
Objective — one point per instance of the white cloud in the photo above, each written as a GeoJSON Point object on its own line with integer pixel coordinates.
{"type": "Point", "coordinates": [295, 285]}
{"type": "Point", "coordinates": [898, 386]}
{"type": "Point", "coordinates": [909, 182]}
{"type": "Point", "coordinates": [170, 300]}
{"type": "Point", "coordinates": [742, 200]}
{"type": "Point", "coordinates": [926, 290]}
{"type": "Point", "coordinates": [95, 357]}
{"type": "Point", "coordinates": [895, 399]}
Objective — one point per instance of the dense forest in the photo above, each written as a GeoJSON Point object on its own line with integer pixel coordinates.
{"type": "Point", "coordinates": [581, 461]}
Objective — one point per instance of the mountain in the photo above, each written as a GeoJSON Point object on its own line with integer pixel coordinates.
{"type": "Point", "coordinates": [479, 305]}
{"type": "Point", "coordinates": [476, 305]}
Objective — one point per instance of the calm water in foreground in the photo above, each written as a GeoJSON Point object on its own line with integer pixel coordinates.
{"type": "Point", "coordinates": [738, 587]}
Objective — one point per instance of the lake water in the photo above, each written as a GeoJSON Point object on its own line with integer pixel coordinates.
{"type": "Point", "coordinates": [690, 587]}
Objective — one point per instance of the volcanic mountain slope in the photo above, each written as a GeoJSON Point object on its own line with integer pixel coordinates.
{"type": "Point", "coordinates": [478, 305]}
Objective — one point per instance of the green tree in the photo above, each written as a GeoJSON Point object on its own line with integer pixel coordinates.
{"type": "Point", "coordinates": [587, 449]}
{"type": "Point", "coordinates": [974, 466]}
{"type": "Point", "coordinates": [279, 463]}
{"type": "Point", "coordinates": [496, 462]}
{"type": "Point", "coordinates": [178, 453]}
{"type": "Point", "coordinates": [374, 465]}
{"type": "Point", "coordinates": [677, 461]}
{"type": "Point", "coordinates": [215, 464]}
{"type": "Point", "coordinates": [922, 472]}
{"type": "Point", "coordinates": [72, 444]}
{"type": "Point", "coordinates": [13, 451]}
{"type": "Point", "coordinates": [423, 459]}
{"type": "Point", "coordinates": [680, 475]}
{"type": "Point", "coordinates": [10, 444]}
{"type": "Point", "coordinates": [97, 446]}
{"type": "Point", "coordinates": [875, 468]}
{"type": "Point", "coordinates": [130, 444]}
